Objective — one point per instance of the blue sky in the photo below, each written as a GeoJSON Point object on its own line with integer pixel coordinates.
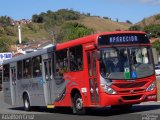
{"type": "Point", "coordinates": [133, 10]}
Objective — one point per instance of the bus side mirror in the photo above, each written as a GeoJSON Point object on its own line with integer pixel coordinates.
{"type": "Point", "coordinates": [99, 55]}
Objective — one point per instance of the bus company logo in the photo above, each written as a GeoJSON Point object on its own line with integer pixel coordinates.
{"type": "Point", "coordinates": [131, 91]}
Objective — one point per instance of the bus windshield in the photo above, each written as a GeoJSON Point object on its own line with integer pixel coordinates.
{"type": "Point", "coordinates": [126, 62]}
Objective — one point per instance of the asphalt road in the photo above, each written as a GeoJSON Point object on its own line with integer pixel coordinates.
{"type": "Point", "coordinates": [138, 112]}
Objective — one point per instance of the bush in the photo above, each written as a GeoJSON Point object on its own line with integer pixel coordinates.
{"type": "Point", "coordinates": [5, 20]}
{"type": "Point", "coordinates": [2, 31]}
{"type": "Point", "coordinates": [153, 30]}
{"type": "Point", "coordinates": [71, 31]}
{"type": "Point", "coordinates": [34, 27]}
{"type": "Point", "coordinates": [5, 43]}
{"type": "Point", "coordinates": [127, 21]}
{"type": "Point", "coordinates": [157, 45]}
{"type": "Point", "coordinates": [157, 17]}
{"type": "Point", "coordinates": [135, 28]}
{"type": "Point", "coordinates": [106, 18]}
{"type": "Point", "coordinates": [60, 15]}
{"type": "Point", "coordinates": [10, 31]}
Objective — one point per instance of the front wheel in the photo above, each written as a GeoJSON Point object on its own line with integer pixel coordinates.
{"type": "Point", "coordinates": [78, 107]}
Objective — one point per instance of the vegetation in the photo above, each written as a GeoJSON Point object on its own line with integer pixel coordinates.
{"type": "Point", "coordinates": [58, 22]}
{"type": "Point", "coordinates": [53, 18]}
{"type": "Point", "coordinates": [70, 31]}
{"type": "Point", "coordinates": [5, 21]}
{"type": "Point", "coordinates": [5, 43]}
{"type": "Point", "coordinates": [157, 45]}
{"type": "Point", "coordinates": [135, 28]}
{"type": "Point", "coordinates": [128, 21]}
{"type": "Point", "coordinates": [66, 24]}
{"type": "Point", "coordinates": [157, 17]}
{"type": "Point", "coordinates": [153, 30]}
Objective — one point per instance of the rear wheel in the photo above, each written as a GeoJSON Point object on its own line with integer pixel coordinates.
{"type": "Point", "coordinates": [78, 107]}
{"type": "Point", "coordinates": [26, 103]}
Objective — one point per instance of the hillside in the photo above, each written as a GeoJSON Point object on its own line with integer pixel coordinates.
{"type": "Point", "coordinates": [101, 25]}
{"type": "Point", "coordinates": [155, 19]}
{"type": "Point", "coordinates": [96, 23]}
{"type": "Point", "coordinates": [64, 24]}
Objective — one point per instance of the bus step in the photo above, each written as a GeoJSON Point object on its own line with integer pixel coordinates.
{"type": "Point", "coordinates": [50, 106]}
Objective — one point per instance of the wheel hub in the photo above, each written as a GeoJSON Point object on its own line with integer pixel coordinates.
{"type": "Point", "coordinates": [26, 103]}
{"type": "Point", "coordinates": [79, 104]}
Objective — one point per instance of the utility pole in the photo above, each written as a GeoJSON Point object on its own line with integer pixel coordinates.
{"type": "Point", "coordinates": [19, 34]}
{"type": "Point", "coordinates": [53, 37]}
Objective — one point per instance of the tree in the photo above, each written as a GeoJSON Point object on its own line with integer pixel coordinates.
{"type": "Point", "coordinates": [70, 31]}
{"type": "Point", "coordinates": [5, 43]}
{"type": "Point", "coordinates": [157, 45]}
{"type": "Point", "coordinates": [135, 28]}
{"type": "Point", "coordinates": [5, 20]}
{"type": "Point", "coordinates": [106, 18]}
{"type": "Point", "coordinates": [153, 30]}
{"type": "Point", "coordinates": [37, 18]}
{"type": "Point", "coordinates": [127, 21]}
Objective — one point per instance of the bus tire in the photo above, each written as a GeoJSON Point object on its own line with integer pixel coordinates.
{"type": "Point", "coordinates": [26, 102]}
{"type": "Point", "coordinates": [78, 107]}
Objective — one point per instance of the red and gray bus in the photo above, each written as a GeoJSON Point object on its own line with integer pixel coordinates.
{"type": "Point", "coordinates": [106, 69]}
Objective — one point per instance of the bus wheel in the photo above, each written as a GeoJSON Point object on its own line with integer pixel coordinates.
{"type": "Point", "coordinates": [26, 103]}
{"type": "Point", "coordinates": [78, 104]}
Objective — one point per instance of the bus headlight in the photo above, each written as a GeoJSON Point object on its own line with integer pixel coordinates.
{"type": "Point", "coordinates": [108, 89]}
{"type": "Point", "coordinates": [151, 86]}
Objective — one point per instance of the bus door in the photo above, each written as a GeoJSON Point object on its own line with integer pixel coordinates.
{"type": "Point", "coordinates": [48, 80]}
{"type": "Point", "coordinates": [13, 77]}
{"type": "Point", "coordinates": [92, 73]}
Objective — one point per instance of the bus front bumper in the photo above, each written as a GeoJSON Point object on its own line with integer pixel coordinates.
{"type": "Point", "coordinates": [109, 100]}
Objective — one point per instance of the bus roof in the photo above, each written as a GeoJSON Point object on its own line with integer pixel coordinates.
{"type": "Point", "coordinates": [28, 55]}
{"type": "Point", "coordinates": [92, 38]}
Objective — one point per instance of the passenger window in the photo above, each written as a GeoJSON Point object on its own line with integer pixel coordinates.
{"type": "Point", "coordinates": [61, 65]}
{"type": "Point", "coordinates": [19, 70]}
{"type": "Point", "coordinates": [6, 73]}
{"type": "Point", "coordinates": [27, 68]}
{"type": "Point", "coordinates": [89, 64]}
{"type": "Point", "coordinates": [37, 66]}
{"type": "Point", "coordinates": [76, 58]}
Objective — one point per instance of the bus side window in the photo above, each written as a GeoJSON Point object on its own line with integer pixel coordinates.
{"type": "Point", "coordinates": [61, 65]}
{"type": "Point", "coordinates": [76, 58]}
{"type": "Point", "coordinates": [37, 63]}
{"type": "Point", "coordinates": [27, 68]}
{"type": "Point", "coordinates": [19, 70]}
{"type": "Point", "coordinates": [6, 73]}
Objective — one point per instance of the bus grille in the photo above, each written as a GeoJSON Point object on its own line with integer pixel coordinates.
{"type": "Point", "coordinates": [129, 91]}
{"type": "Point", "coordinates": [131, 85]}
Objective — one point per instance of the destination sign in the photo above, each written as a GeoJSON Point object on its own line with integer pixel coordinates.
{"type": "Point", "coordinates": [123, 39]}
